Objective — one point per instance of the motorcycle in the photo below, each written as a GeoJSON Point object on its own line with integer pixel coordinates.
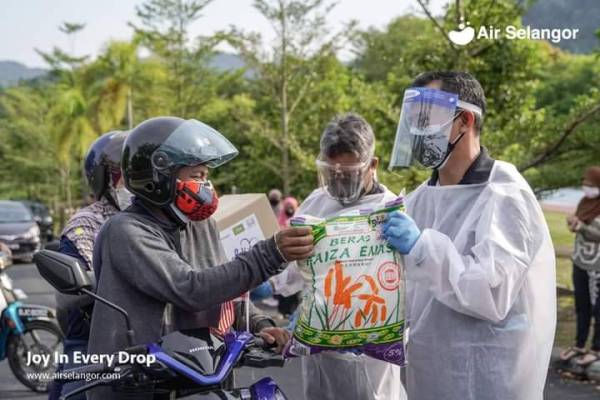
{"type": "Point", "coordinates": [25, 330]}
{"type": "Point", "coordinates": [181, 365]}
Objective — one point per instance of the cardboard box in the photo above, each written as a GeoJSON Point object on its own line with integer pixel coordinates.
{"type": "Point", "coordinates": [243, 220]}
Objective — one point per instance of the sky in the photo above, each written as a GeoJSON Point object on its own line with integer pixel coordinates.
{"type": "Point", "coordinates": [26, 25]}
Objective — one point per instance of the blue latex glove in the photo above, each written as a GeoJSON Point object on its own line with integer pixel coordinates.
{"type": "Point", "coordinates": [401, 232]}
{"type": "Point", "coordinates": [261, 292]}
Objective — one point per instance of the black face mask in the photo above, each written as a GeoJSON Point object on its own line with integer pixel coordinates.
{"type": "Point", "coordinates": [290, 213]}
{"type": "Point", "coordinates": [274, 202]}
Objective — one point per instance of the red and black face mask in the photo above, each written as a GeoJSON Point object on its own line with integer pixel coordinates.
{"type": "Point", "coordinates": [197, 200]}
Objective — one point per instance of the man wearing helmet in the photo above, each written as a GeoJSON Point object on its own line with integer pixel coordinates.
{"type": "Point", "coordinates": [138, 257]}
{"type": "Point", "coordinates": [103, 173]}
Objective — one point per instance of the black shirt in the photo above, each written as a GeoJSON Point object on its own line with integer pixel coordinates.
{"type": "Point", "coordinates": [478, 172]}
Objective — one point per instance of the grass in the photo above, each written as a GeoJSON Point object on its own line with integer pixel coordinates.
{"type": "Point", "coordinates": [561, 236]}
{"type": "Point", "coordinates": [565, 327]}
{"type": "Point", "coordinates": [563, 239]}
{"type": "Point", "coordinates": [564, 268]}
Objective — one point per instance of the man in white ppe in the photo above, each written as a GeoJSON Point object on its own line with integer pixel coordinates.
{"type": "Point", "coordinates": [347, 174]}
{"type": "Point", "coordinates": [478, 256]}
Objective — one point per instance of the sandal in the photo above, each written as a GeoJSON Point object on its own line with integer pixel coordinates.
{"type": "Point", "coordinates": [571, 352]}
{"type": "Point", "coordinates": [588, 358]}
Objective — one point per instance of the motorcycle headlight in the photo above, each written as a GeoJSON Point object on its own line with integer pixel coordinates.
{"type": "Point", "coordinates": [32, 233]}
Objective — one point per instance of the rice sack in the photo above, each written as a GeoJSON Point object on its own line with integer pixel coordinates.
{"type": "Point", "coordinates": [355, 295]}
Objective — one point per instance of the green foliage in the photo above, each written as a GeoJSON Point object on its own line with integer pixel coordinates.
{"type": "Point", "coordinates": [28, 167]}
{"type": "Point", "coordinates": [562, 238]}
{"type": "Point", "coordinates": [163, 30]}
{"type": "Point", "coordinates": [543, 103]}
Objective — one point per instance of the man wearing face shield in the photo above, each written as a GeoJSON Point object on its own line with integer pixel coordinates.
{"type": "Point", "coordinates": [479, 260]}
{"type": "Point", "coordinates": [347, 175]}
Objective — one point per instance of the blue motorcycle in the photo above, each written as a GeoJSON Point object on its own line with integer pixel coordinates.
{"type": "Point", "coordinates": [27, 330]}
{"type": "Point", "coordinates": [197, 366]}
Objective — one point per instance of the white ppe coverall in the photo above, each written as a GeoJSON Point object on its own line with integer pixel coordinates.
{"type": "Point", "coordinates": [332, 375]}
{"type": "Point", "coordinates": [481, 293]}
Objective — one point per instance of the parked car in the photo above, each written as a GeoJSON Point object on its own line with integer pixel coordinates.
{"type": "Point", "coordinates": [42, 216]}
{"type": "Point", "coordinates": [18, 230]}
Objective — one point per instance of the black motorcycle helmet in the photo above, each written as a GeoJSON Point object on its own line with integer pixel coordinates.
{"type": "Point", "coordinates": [156, 149]}
{"type": "Point", "coordinates": [102, 164]}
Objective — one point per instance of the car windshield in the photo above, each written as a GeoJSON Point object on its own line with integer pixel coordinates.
{"type": "Point", "coordinates": [14, 212]}
{"type": "Point", "coordinates": [38, 209]}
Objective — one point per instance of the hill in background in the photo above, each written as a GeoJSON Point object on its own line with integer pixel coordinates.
{"type": "Point", "coordinates": [11, 72]}
{"type": "Point", "coordinates": [582, 14]}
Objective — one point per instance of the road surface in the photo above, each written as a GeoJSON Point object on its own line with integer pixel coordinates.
{"type": "Point", "coordinates": [26, 277]}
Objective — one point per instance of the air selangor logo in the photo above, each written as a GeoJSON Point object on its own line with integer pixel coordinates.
{"type": "Point", "coordinates": [466, 34]}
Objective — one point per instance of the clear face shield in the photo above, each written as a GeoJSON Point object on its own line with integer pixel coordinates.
{"type": "Point", "coordinates": [193, 143]}
{"type": "Point", "coordinates": [343, 182]}
{"type": "Point", "coordinates": [425, 126]}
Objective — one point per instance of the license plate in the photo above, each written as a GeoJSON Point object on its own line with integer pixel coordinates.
{"type": "Point", "coordinates": [14, 246]}
{"type": "Point", "coordinates": [34, 312]}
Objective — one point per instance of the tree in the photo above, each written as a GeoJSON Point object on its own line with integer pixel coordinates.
{"type": "Point", "coordinates": [251, 120]}
{"type": "Point", "coordinates": [286, 72]}
{"type": "Point", "coordinates": [114, 77]}
{"type": "Point", "coordinates": [540, 100]}
{"type": "Point", "coordinates": [164, 30]}
{"type": "Point", "coordinates": [70, 29]}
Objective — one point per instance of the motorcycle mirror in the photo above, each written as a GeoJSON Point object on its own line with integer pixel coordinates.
{"type": "Point", "coordinates": [63, 272]}
{"type": "Point", "coordinates": [67, 275]}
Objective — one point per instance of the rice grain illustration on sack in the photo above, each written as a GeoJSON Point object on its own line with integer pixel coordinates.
{"type": "Point", "coordinates": [355, 295]}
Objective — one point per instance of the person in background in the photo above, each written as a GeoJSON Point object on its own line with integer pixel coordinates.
{"type": "Point", "coordinates": [274, 197]}
{"type": "Point", "coordinates": [586, 269]}
{"type": "Point", "coordinates": [103, 173]}
{"type": "Point", "coordinates": [289, 205]}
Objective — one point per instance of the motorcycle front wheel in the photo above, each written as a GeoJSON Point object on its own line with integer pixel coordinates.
{"type": "Point", "coordinates": [40, 337]}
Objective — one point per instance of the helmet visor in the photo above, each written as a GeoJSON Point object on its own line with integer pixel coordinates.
{"type": "Point", "coordinates": [194, 143]}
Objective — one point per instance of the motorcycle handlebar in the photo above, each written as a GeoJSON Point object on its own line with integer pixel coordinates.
{"type": "Point", "coordinates": [260, 354]}
{"type": "Point", "coordinates": [138, 349]}
{"type": "Point", "coordinates": [263, 344]}
{"type": "Point", "coordinates": [88, 369]}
